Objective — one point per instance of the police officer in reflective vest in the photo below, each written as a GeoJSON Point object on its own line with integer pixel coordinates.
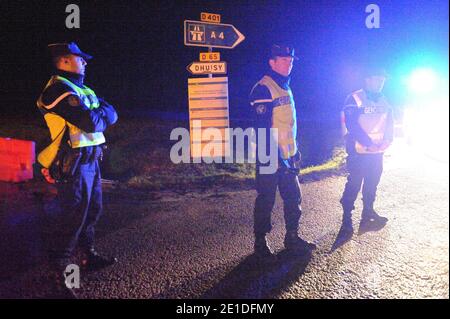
{"type": "Point", "coordinates": [273, 107]}
{"type": "Point", "coordinates": [369, 127]}
{"type": "Point", "coordinates": [76, 119]}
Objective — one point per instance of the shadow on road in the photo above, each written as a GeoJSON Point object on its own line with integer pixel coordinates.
{"type": "Point", "coordinates": [255, 280]}
{"type": "Point", "coordinates": [26, 232]}
{"type": "Point", "coordinates": [345, 235]}
{"type": "Point", "coordinates": [365, 227]}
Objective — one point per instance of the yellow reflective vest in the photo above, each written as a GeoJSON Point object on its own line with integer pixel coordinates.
{"type": "Point", "coordinates": [373, 118]}
{"type": "Point", "coordinates": [283, 117]}
{"type": "Point", "coordinates": [58, 125]}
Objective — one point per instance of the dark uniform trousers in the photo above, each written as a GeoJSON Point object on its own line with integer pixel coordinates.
{"type": "Point", "coordinates": [266, 186]}
{"type": "Point", "coordinates": [363, 169]}
{"type": "Point", "coordinates": [80, 198]}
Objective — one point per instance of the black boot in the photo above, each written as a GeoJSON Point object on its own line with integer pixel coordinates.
{"type": "Point", "coordinates": [262, 248]}
{"type": "Point", "coordinates": [370, 215]}
{"type": "Point", "coordinates": [95, 261]}
{"type": "Point", "coordinates": [371, 221]}
{"type": "Point", "coordinates": [295, 244]}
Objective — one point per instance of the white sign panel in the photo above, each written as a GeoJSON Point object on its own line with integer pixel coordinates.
{"type": "Point", "coordinates": [208, 116]}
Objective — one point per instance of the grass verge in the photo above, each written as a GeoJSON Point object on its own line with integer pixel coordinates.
{"type": "Point", "coordinates": [138, 157]}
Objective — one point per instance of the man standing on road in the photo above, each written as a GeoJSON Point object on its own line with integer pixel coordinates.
{"type": "Point", "coordinates": [370, 127]}
{"type": "Point", "coordinates": [76, 119]}
{"type": "Point", "coordinates": [273, 106]}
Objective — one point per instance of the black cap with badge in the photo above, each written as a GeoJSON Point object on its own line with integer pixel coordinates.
{"type": "Point", "coordinates": [282, 51]}
{"type": "Point", "coordinates": [59, 49]}
{"type": "Point", "coordinates": [374, 70]}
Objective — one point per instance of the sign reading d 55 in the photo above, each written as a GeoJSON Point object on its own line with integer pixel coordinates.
{"type": "Point", "coordinates": [209, 56]}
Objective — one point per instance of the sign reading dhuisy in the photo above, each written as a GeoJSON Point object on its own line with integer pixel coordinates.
{"type": "Point", "coordinates": [215, 35]}
{"type": "Point", "coordinates": [197, 68]}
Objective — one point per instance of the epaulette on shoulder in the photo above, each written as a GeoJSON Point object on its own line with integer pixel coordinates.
{"type": "Point", "coordinates": [57, 91]}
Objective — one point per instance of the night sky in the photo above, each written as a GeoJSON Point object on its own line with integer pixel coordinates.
{"type": "Point", "coordinates": [140, 60]}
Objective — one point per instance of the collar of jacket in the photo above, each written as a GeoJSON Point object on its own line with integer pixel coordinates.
{"type": "Point", "coordinates": [282, 81]}
{"type": "Point", "coordinates": [373, 96]}
{"type": "Point", "coordinates": [72, 77]}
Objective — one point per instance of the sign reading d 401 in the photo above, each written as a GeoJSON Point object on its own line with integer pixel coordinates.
{"type": "Point", "coordinates": [209, 56]}
{"type": "Point", "coordinates": [210, 17]}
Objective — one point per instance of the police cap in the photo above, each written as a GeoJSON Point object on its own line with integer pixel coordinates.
{"type": "Point", "coordinates": [59, 49]}
{"type": "Point", "coordinates": [282, 51]}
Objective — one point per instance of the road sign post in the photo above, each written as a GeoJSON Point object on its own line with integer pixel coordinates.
{"type": "Point", "coordinates": [209, 51]}
{"type": "Point", "coordinates": [208, 97]}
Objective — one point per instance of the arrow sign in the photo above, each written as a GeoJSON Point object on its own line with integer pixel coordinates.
{"type": "Point", "coordinates": [216, 35]}
{"type": "Point", "coordinates": [208, 67]}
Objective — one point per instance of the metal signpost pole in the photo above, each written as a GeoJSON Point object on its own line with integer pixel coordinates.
{"type": "Point", "coordinates": [210, 49]}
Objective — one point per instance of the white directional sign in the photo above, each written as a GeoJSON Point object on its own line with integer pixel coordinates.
{"type": "Point", "coordinates": [208, 67]}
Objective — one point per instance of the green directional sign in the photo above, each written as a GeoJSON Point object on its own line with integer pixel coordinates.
{"type": "Point", "coordinates": [216, 35]}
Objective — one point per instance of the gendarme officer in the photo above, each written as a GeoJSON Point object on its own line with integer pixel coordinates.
{"type": "Point", "coordinates": [273, 107]}
{"type": "Point", "coordinates": [76, 119]}
{"type": "Point", "coordinates": [370, 126]}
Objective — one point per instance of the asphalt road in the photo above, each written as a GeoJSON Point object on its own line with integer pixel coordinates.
{"type": "Point", "coordinates": [199, 245]}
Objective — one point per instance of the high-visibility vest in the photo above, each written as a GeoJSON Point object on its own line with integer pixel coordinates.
{"type": "Point", "coordinates": [283, 117]}
{"type": "Point", "coordinates": [372, 119]}
{"type": "Point", "coordinates": [57, 124]}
